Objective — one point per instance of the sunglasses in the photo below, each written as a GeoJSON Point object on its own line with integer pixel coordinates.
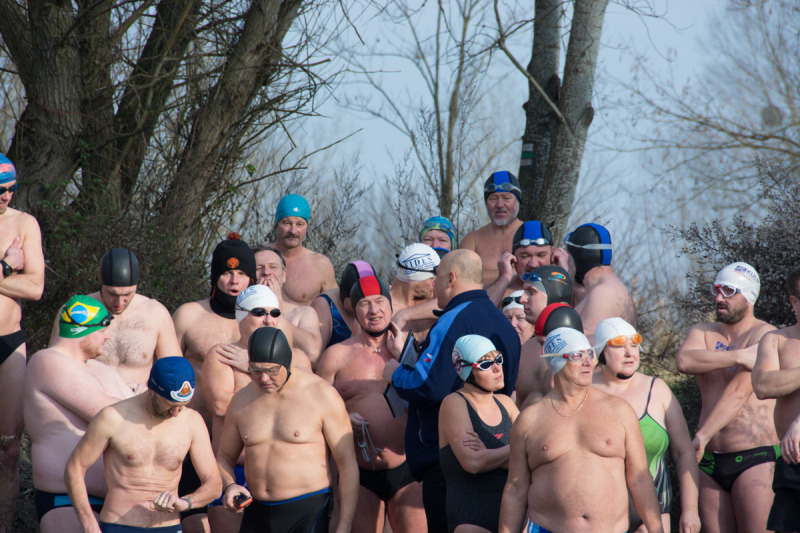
{"type": "Point", "coordinates": [535, 242]}
{"type": "Point", "coordinates": [260, 311]}
{"type": "Point", "coordinates": [509, 299]}
{"type": "Point", "coordinates": [486, 364]}
{"type": "Point", "coordinates": [503, 187]}
{"type": "Point", "coordinates": [726, 290]}
{"type": "Point", "coordinates": [13, 188]}
{"type": "Point", "coordinates": [576, 357]}
{"type": "Point", "coordinates": [620, 340]}
{"type": "Point", "coordinates": [104, 322]}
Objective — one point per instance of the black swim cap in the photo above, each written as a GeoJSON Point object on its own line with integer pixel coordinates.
{"type": "Point", "coordinates": [368, 285]}
{"type": "Point", "coordinates": [557, 315]}
{"type": "Point", "coordinates": [589, 246]}
{"type": "Point", "coordinates": [269, 345]}
{"type": "Point", "coordinates": [119, 268]}
{"type": "Point", "coordinates": [232, 254]}
{"type": "Point", "coordinates": [554, 280]}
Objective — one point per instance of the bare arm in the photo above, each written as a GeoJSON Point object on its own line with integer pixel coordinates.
{"type": "Point", "coordinates": [769, 381]}
{"type": "Point", "coordinates": [218, 386]}
{"type": "Point", "coordinates": [167, 344]}
{"type": "Point", "coordinates": [423, 311]}
{"type": "Point", "coordinates": [27, 282]}
{"type": "Point", "coordinates": [694, 357]}
{"type": "Point", "coordinates": [637, 473]}
{"type": "Point", "coordinates": [204, 464]}
{"type": "Point", "coordinates": [339, 435]}
{"type": "Point", "coordinates": [328, 365]}
{"type": "Point", "coordinates": [320, 305]}
{"type": "Point", "coordinates": [497, 289]}
{"type": "Point", "coordinates": [230, 448]}
{"type": "Point", "coordinates": [307, 335]}
{"type": "Point", "coordinates": [454, 426]}
{"type": "Point", "coordinates": [727, 407]}
{"type": "Point", "coordinates": [514, 506]}
{"type": "Point", "coordinates": [470, 242]}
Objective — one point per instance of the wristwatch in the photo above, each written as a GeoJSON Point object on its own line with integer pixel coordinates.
{"type": "Point", "coordinates": [7, 269]}
{"type": "Point", "coordinates": [188, 500]}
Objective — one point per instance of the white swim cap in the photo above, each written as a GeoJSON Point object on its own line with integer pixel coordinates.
{"type": "Point", "coordinates": [416, 263]}
{"type": "Point", "coordinates": [514, 303]}
{"type": "Point", "coordinates": [610, 328]}
{"type": "Point", "coordinates": [469, 349]}
{"type": "Point", "coordinates": [252, 297]}
{"type": "Point", "coordinates": [743, 277]}
{"type": "Point", "coordinates": [561, 341]}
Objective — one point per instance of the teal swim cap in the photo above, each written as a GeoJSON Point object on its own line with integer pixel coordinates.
{"type": "Point", "coordinates": [293, 205]}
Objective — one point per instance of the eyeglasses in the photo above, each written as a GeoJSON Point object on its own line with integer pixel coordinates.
{"type": "Point", "coordinates": [260, 311]}
{"type": "Point", "coordinates": [726, 290]}
{"type": "Point", "coordinates": [104, 322]}
{"type": "Point", "coordinates": [271, 372]}
{"type": "Point", "coordinates": [13, 188]}
{"type": "Point", "coordinates": [620, 340]}
{"type": "Point", "coordinates": [509, 299]}
{"type": "Point", "coordinates": [503, 187]}
{"type": "Point", "coordinates": [535, 242]}
{"type": "Point", "coordinates": [576, 357]}
{"type": "Point", "coordinates": [486, 364]}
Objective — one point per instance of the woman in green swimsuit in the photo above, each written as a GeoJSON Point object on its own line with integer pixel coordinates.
{"type": "Point", "coordinates": [660, 417]}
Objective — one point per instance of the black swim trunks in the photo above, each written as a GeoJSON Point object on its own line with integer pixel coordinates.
{"type": "Point", "coordinates": [108, 527]}
{"type": "Point", "coordinates": [386, 483]}
{"type": "Point", "coordinates": [9, 344]}
{"type": "Point", "coordinates": [784, 515]}
{"type": "Point", "coordinates": [309, 513]}
{"type": "Point", "coordinates": [724, 468]}
{"type": "Point", "coordinates": [47, 501]}
{"type": "Point", "coordinates": [189, 483]}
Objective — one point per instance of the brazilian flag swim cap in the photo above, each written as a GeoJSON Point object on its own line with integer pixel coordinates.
{"type": "Point", "coordinates": [82, 316]}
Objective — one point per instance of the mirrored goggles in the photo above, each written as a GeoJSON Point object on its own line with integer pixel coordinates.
{"type": "Point", "coordinates": [13, 188]}
{"type": "Point", "coordinates": [620, 340]}
{"type": "Point", "coordinates": [260, 311]}
{"type": "Point", "coordinates": [531, 277]}
{"type": "Point", "coordinates": [502, 187]}
{"type": "Point", "coordinates": [508, 300]}
{"type": "Point", "coordinates": [726, 290]}
{"type": "Point", "coordinates": [486, 364]}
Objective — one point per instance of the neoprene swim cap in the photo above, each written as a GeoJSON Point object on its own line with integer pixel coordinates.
{"type": "Point", "coordinates": [119, 268]}
{"type": "Point", "coordinates": [502, 181]}
{"type": "Point", "coordinates": [562, 341]}
{"type": "Point", "coordinates": [590, 246]}
{"type": "Point", "coordinates": [269, 345]}
{"type": "Point", "coordinates": [82, 316]}
{"type": "Point", "coordinates": [293, 205]}
{"type": "Point", "coordinates": [532, 233]}
{"type": "Point", "coordinates": [232, 254]}
{"type": "Point", "coordinates": [252, 297]}
{"type": "Point", "coordinates": [557, 315]}
{"type": "Point", "coordinates": [441, 224]}
{"type": "Point", "coordinates": [467, 350]}
{"type": "Point", "coordinates": [417, 262]}
{"type": "Point", "coordinates": [7, 170]}
{"type": "Point", "coordinates": [743, 277]}
{"type": "Point", "coordinates": [172, 378]}
{"type": "Point", "coordinates": [553, 281]}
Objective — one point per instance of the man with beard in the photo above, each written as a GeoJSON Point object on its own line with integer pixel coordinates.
{"type": "Point", "coordinates": [413, 286]}
{"type": "Point", "coordinates": [143, 441]}
{"type": "Point", "coordinates": [354, 367]}
{"type": "Point", "coordinates": [142, 327]}
{"type": "Point", "coordinates": [736, 442]}
{"type": "Point", "coordinates": [502, 195]}
{"type": "Point", "coordinates": [63, 389]}
{"type": "Point", "coordinates": [308, 273]}
{"type": "Point", "coordinates": [205, 323]}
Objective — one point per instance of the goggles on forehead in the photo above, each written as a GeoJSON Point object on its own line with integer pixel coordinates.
{"type": "Point", "coordinates": [531, 277]}
{"type": "Point", "coordinates": [104, 322]}
{"type": "Point", "coordinates": [486, 364]}
{"type": "Point", "coordinates": [442, 226]}
{"type": "Point", "coordinates": [541, 241]}
{"type": "Point", "coordinates": [726, 290]}
{"type": "Point", "coordinates": [13, 188]}
{"type": "Point", "coordinates": [620, 340]}
{"type": "Point", "coordinates": [508, 300]}
{"type": "Point", "coordinates": [593, 246]}
{"type": "Point", "coordinates": [502, 187]}
{"type": "Point", "coordinates": [260, 311]}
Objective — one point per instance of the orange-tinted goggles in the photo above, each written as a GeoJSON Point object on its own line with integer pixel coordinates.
{"type": "Point", "coordinates": [620, 340]}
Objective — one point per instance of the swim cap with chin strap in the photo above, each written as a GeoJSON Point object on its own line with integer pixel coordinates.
{"type": "Point", "coordinates": [562, 341]}
{"type": "Point", "coordinates": [172, 378]}
{"type": "Point", "coordinates": [743, 277]}
{"type": "Point", "coordinates": [82, 316]}
{"type": "Point", "coordinates": [531, 233]}
{"type": "Point", "coordinates": [607, 330]}
{"type": "Point", "coordinates": [416, 263]}
{"type": "Point", "coordinates": [7, 171]}
{"type": "Point", "coordinates": [368, 284]}
{"type": "Point", "coordinates": [255, 296]}
{"type": "Point", "coordinates": [553, 281]}
{"type": "Point", "coordinates": [590, 247]}
{"type": "Point", "coordinates": [557, 315]}
{"type": "Point", "coordinates": [230, 254]}
{"type": "Point", "coordinates": [467, 350]}
{"type": "Point", "coordinates": [442, 224]}
{"type": "Point", "coordinates": [502, 181]}
{"type": "Point", "coordinates": [119, 268]}
{"type": "Point", "coordinates": [269, 345]}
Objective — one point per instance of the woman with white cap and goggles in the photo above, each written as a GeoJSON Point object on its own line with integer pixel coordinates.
{"type": "Point", "coordinates": [660, 419]}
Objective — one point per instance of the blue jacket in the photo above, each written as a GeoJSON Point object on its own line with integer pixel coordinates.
{"type": "Point", "coordinates": [433, 377]}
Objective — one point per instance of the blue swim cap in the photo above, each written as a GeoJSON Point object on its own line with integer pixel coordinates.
{"type": "Point", "coordinates": [293, 205]}
{"type": "Point", "coordinates": [7, 170]}
{"type": "Point", "coordinates": [532, 233]}
{"type": "Point", "coordinates": [502, 181]}
{"type": "Point", "coordinates": [442, 224]}
{"type": "Point", "coordinates": [590, 246]}
{"type": "Point", "coordinates": [172, 378]}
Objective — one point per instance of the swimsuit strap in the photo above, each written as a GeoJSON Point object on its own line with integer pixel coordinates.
{"type": "Point", "coordinates": [649, 393]}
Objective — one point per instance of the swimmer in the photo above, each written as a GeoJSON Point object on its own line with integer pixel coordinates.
{"type": "Point", "coordinates": [514, 311]}
{"type": "Point", "coordinates": [413, 287]}
{"type": "Point", "coordinates": [336, 319]}
{"type": "Point", "coordinates": [438, 232]}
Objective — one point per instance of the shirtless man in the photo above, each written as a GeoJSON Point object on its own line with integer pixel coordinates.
{"type": "Point", "coordinates": [532, 247]}
{"type": "Point", "coordinates": [307, 273]}
{"type": "Point", "coordinates": [303, 319]}
{"type": "Point", "coordinates": [64, 388]}
{"type": "Point", "coordinates": [514, 311]}
{"type": "Point", "coordinates": [205, 323]}
{"type": "Point", "coordinates": [438, 232]}
{"type": "Point", "coordinates": [142, 327]}
{"type": "Point", "coordinates": [143, 441]}
{"type": "Point", "coordinates": [576, 454]}
{"type": "Point", "coordinates": [736, 440]}
{"type": "Point", "coordinates": [336, 319]}
{"type": "Point", "coordinates": [289, 424]}
{"type": "Point", "coordinates": [355, 368]}
{"type": "Point", "coordinates": [502, 195]}
{"type": "Point", "coordinates": [605, 296]}
{"type": "Point", "coordinates": [413, 286]}
{"type": "Point", "coordinates": [21, 278]}
{"type": "Point", "coordinates": [776, 374]}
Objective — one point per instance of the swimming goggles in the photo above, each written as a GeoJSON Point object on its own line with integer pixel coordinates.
{"type": "Point", "coordinates": [592, 246]}
{"type": "Point", "coordinates": [535, 242]}
{"type": "Point", "coordinates": [104, 322]}
{"type": "Point", "coordinates": [509, 299]}
{"type": "Point", "coordinates": [13, 188]}
{"type": "Point", "coordinates": [726, 290]}
{"type": "Point", "coordinates": [260, 311]}
{"type": "Point", "coordinates": [412, 269]}
{"type": "Point", "coordinates": [620, 340]}
{"type": "Point", "coordinates": [503, 187]}
{"type": "Point", "coordinates": [486, 364]}
{"type": "Point", "coordinates": [531, 277]}
{"type": "Point", "coordinates": [578, 356]}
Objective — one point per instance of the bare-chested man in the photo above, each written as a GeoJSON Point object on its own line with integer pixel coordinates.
{"type": "Point", "coordinates": [438, 232]}
{"type": "Point", "coordinates": [776, 374]}
{"type": "Point", "coordinates": [604, 295]}
{"type": "Point", "coordinates": [576, 454]}
{"type": "Point", "coordinates": [142, 327]}
{"type": "Point", "coordinates": [308, 273]}
{"type": "Point", "coordinates": [736, 440]}
{"type": "Point", "coordinates": [143, 441]}
{"type": "Point", "coordinates": [271, 271]}
{"type": "Point", "coordinates": [413, 286]}
{"type": "Point", "coordinates": [336, 319]}
{"type": "Point", "coordinates": [205, 323]}
{"type": "Point", "coordinates": [21, 278]}
{"type": "Point", "coordinates": [289, 425]}
{"type": "Point", "coordinates": [355, 368]}
{"type": "Point", "coordinates": [64, 388]}
{"type": "Point", "coordinates": [503, 196]}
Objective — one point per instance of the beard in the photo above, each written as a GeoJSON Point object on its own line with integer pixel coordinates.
{"type": "Point", "coordinates": [734, 314]}
{"type": "Point", "coordinates": [512, 215]}
{"type": "Point", "coordinates": [90, 348]}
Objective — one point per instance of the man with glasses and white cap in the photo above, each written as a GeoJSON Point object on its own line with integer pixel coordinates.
{"type": "Point", "coordinates": [604, 294]}
{"type": "Point", "coordinates": [576, 454]}
{"type": "Point", "coordinates": [736, 442]}
{"type": "Point", "coordinates": [502, 195]}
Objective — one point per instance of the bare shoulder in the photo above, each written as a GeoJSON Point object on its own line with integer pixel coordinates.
{"type": "Point", "coordinates": [27, 224]}
{"type": "Point", "coordinates": [321, 260]}
{"type": "Point", "coordinates": [613, 406]}
{"type": "Point", "coordinates": [762, 329]}
{"type": "Point", "coordinates": [189, 311]}
{"type": "Point", "coordinates": [507, 402]}
{"type": "Point", "coordinates": [470, 240]}
{"type": "Point", "coordinates": [47, 362]}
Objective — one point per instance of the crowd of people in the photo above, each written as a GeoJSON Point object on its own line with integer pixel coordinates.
{"type": "Point", "coordinates": [492, 386]}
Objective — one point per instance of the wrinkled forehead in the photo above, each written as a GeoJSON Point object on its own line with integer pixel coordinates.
{"type": "Point", "coordinates": [268, 257]}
